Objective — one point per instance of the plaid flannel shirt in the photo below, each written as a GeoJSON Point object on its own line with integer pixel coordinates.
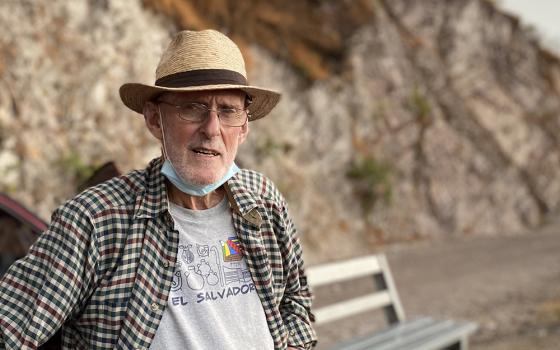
{"type": "Point", "coordinates": [104, 267]}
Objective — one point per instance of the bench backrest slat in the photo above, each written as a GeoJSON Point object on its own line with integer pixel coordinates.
{"type": "Point", "coordinates": [351, 307]}
{"type": "Point", "coordinates": [375, 266]}
{"type": "Point", "coordinates": [343, 271]}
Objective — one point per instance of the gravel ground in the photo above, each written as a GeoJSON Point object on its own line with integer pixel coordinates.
{"type": "Point", "coordinates": [509, 285]}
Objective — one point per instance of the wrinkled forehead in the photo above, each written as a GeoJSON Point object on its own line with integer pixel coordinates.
{"type": "Point", "coordinates": [221, 96]}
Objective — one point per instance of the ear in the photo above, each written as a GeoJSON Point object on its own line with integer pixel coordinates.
{"type": "Point", "coordinates": [152, 119]}
{"type": "Point", "coordinates": [243, 133]}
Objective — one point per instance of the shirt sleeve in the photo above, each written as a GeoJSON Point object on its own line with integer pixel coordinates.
{"type": "Point", "coordinates": [295, 306]}
{"type": "Point", "coordinates": [40, 291]}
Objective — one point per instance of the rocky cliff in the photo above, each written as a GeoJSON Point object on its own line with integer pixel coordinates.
{"type": "Point", "coordinates": [400, 120]}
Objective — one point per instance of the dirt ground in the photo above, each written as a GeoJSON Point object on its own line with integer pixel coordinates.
{"type": "Point", "coordinates": [509, 285]}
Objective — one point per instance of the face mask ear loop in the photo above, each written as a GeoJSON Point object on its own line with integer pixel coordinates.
{"type": "Point", "coordinates": [162, 133]}
{"type": "Point", "coordinates": [163, 142]}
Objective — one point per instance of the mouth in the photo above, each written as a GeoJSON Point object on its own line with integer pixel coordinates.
{"type": "Point", "coordinates": [205, 151]}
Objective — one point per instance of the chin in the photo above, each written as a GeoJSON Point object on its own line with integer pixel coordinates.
{"type": "Point", "coordinates": [203, 179]}
{"type": "Point", "coordinates": [202, 174]}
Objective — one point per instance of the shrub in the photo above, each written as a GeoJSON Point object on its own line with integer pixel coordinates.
{"type": "Point", "coordinates": [75, 165]}
{"type": "Point", "coordinates": [371, 181]}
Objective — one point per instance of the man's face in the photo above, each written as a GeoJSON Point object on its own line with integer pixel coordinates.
{"type": "Point", "coordinates": [201, 152]}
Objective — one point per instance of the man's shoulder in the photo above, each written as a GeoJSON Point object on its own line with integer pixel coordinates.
{"type": "Point", "coordinates": [117, 192]}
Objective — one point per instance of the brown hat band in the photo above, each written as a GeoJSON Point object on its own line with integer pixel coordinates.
{"type": "Point", "coordinates": [201, 77]}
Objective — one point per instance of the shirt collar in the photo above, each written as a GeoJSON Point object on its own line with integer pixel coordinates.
{"type": "Point", "coordinates": [241, 200]}
{"type": "Point", "coordinates": [152, 201]}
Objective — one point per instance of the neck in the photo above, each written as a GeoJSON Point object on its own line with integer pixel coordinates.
{"type": "Point", "coordinates": [193, 202]}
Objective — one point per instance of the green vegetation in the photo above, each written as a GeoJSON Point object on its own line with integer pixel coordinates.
{"type": "Point", "coordinates": [420, 106]}
{"type": "Point", "coordinates": [269, 147]}
{"type": "Point", "coordinates": [372, 182]}
{"type": "Point", "coordinates": [75, 165]}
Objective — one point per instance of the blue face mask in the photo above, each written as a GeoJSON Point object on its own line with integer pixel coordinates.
{"type": "Point", "coordinates": [195, 190]}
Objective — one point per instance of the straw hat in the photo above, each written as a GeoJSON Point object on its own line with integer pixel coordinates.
{"type": "Point", "coordinates": [199, 61]}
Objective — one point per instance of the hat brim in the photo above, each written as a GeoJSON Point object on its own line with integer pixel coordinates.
{"type": "Point", "coordinates": [135, 95]}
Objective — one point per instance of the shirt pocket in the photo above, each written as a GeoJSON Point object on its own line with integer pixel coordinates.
{"type": "Point", "coordinates": [103, 318]}
{"type": "Point", "coordinates": [108, 307]}
{"type": "Point", "coordinates": [109, 316]}
{"type": "Point", "coordinates": [115, 289]}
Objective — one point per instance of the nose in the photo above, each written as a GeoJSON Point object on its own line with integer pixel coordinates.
{"type": "Point", "coordinates": [211, 125]}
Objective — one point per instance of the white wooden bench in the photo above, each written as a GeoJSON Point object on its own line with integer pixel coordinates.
{"type": "Point", "coordinates": [423, 333]}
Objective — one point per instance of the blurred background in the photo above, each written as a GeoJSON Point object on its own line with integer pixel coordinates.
{"type": "Point", "coordinates": [426, 129]}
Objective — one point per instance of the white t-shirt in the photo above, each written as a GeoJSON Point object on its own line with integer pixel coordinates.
{"type": "Point", "coordinates": [213, 303]}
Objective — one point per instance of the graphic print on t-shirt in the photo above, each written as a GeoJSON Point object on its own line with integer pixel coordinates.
{"type": "Point", "coordinates": [209, 273]}
{"type": "Point", "coordinates": [212, 297]}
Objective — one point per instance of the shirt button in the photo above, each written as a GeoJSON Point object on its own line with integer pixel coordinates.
{"type": "Point", "coordinates": [292, 333]}
{"type": "Point", "coordinates": [154, 307]}
{"type": "Point", "coordinates": [166, 263]}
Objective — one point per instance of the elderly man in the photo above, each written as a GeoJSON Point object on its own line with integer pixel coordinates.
{"type": "Point", "coordinates": [190, 253]}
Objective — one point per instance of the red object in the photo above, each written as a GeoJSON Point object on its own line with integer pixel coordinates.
{"type": "Point", "coordinates": [22, 214]}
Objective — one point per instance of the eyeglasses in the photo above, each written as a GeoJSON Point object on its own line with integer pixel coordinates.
{"type": "Point", "coordinates": [197, 112]}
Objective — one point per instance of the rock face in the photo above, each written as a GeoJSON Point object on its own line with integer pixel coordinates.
{"type": "Point", "coordinates": [62, 63]}
{"type": "Point", "coordinates": [436, 118]}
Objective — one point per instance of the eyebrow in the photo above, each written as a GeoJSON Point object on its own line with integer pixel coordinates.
{"type": "Point", "coordinates": [205, 103]}
{"type": "Point", "coordinates": [229, 105]}
{"type": "Point", "coordinates": [220, 104]}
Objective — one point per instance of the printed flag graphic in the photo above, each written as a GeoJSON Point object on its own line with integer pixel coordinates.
{"type": "Point", "coordinates": [231, 249]}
